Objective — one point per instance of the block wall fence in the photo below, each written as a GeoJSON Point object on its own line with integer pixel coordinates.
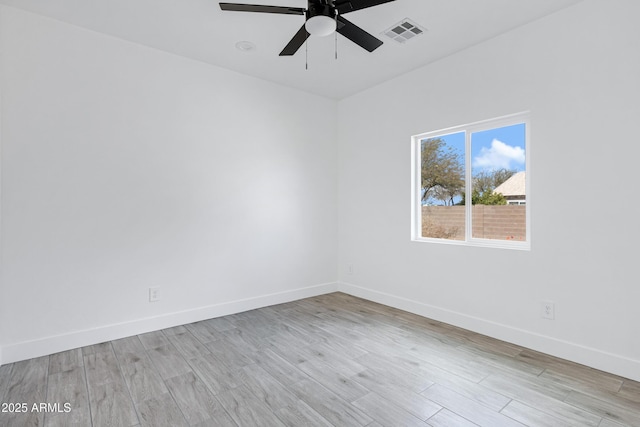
{"type": "Point", "coordinates": [502, 222]}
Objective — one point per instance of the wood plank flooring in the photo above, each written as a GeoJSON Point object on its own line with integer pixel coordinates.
{"type": "Point", "coordinates": [332, 360]}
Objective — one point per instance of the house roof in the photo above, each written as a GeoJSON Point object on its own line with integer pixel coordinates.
{"type": "Point", "coordinates": [514, 186]}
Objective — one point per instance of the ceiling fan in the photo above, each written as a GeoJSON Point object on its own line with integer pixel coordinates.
{"type": "Point", "coordinates": [322, 17]}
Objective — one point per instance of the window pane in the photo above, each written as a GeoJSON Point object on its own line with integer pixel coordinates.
{"type": "Point", "coordinates": [498, 187]}
{"type": "Point", "coordinates": [442, 186]}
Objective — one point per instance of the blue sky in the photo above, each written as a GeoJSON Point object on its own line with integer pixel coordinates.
{"type": "Point", "coordinates": [498, 148]}
{"type": "Point", "coordinates": [494, 148]}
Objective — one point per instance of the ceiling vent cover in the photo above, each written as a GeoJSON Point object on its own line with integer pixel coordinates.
{"type": "Point", "coordinates": [404, 30]}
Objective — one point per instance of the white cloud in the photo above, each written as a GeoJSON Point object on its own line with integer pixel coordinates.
{"type": "Point", "coordinates": [499, 156]}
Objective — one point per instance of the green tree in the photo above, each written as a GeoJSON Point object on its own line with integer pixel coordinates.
{"type": "Point", "coordinates": [488, 197]}
{"type": "Point", "coordinates": [484, 182]}
{"type": "Point", "coordinates": [442, 171]}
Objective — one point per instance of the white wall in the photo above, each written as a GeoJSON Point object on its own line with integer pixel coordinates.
{"type": "Point", "coordinates": [577, 72]}
{"type": "Point", "coordinates": [124, 167]}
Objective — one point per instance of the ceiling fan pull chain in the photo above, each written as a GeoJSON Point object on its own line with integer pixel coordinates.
{"type": "Point", "coordinates": [335, 34]}
{"type": "Point", "coordinates": [306, 53]}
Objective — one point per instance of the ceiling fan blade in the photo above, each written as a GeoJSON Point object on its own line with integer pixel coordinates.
{"type": "Point", "coordinates": [295, 43]}
{"type": "Point", "coordinates": [358, 35]}
{"type": "Point", "coordinates": [346, 6]}
{"type": "Point", "coordinates": [237, 7]}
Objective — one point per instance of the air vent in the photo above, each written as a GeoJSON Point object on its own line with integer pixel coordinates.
{"type": "Point", "coordinates": [404, 30]}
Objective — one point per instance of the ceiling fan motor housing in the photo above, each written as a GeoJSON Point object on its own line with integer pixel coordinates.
{"type": "Point", "coordinates": [318, 9]}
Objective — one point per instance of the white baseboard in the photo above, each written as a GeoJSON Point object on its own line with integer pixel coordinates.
{"type": "Point", "coordinates": [598, 359]}
{"type": "Point", "coordinates": [54, 344]}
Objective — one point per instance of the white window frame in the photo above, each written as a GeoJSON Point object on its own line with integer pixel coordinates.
{"type": "Point", "coordinates": [468, 129]}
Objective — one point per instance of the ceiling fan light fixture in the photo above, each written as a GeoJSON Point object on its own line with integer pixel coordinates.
{"type": "Point", "coordinates": [320, 25]}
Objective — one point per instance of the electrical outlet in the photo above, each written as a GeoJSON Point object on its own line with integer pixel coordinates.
{"type": "Point", "coordinates": [154, 294]}
{"type": "Point", "coordinates": [349, 269]}
{"type": "Point", "coordinates": [548, 310]}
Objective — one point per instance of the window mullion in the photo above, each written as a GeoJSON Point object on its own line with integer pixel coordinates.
{"type": "Point", "coordinates": [468, 186]}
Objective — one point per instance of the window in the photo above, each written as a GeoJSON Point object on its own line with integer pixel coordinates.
{"type": "Point", "coordinates": [471, 184]}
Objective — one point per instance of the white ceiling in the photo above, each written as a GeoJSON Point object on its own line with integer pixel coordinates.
{"type": "Point", "coordinates": [198, 29]}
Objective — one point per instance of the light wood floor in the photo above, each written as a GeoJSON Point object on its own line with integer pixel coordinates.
{"type": "Point", "coordinates": [332, 360]}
